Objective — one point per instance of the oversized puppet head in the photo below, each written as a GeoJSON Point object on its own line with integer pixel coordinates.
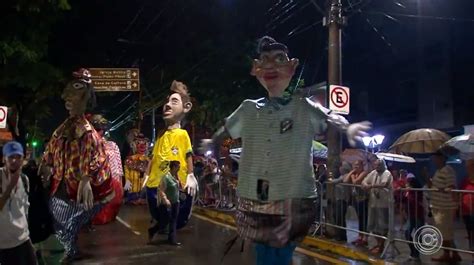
{"type": "Point", "coordinates": [131, 135]}
{"type": "Point", "coordinates": [273, 68]}
{"type": "Point", "coordinates": [100, 123]}
{"type": "Point", "coordinates": [178, 103]}
{"type": "Point", "coordinates": [78, 95]}
{"type": "Point", "coordinates": [141, 144]}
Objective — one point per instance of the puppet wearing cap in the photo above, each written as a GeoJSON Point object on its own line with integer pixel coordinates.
{"type": "Point", "coordinates": [76, 166]}
{"type": "Point", "coordinates": [276, 184]}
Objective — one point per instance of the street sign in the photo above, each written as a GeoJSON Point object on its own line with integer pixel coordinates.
{"type": "Point", "coordinates": [115, 79]}
{"type": "Point", "coordinates": [3, 117]}
{"type": "Point", "coordinates": [339, 99]}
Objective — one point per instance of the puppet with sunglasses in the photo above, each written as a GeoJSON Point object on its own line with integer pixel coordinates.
{"type": "Point", "coordinates": [75, 166]}
{"type": "Point", "coordinates": [277, 192]}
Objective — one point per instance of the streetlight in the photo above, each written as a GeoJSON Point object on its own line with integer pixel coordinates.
{"type": "Point", "coordinates": [373, 141]}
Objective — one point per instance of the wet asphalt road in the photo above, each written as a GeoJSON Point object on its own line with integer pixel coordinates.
{"type": "Point", "coordinates": [124, 242]}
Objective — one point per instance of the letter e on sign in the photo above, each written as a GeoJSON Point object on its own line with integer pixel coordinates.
{"type": "Point", "coordinates": [339, 98]}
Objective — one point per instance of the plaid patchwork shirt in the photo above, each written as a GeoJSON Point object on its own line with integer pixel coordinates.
{"type": "Point", "coordinates": [115, 161]}
{"type": "Point", "coordinates": [76, 150]}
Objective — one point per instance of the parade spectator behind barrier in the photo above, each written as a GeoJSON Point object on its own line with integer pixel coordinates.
{"type": "Point", "coordinates": [342, 199]}
{"type": "Point", "coordinates": [378, 182]}
{"type": "Point", "coordinates": [444, 205]}
{"type": "Point", "coordinates": [211, 177]}
{"type": "Point", "coordinates": [359, 199]}
{"type": "Point", "coordinates": [413, 207]}
{"type": "Point", "coordinates": [425, 175]}
{"type": "Point", "coordinates": [228, 181]}
{"type": "Point", "coordinates": [399, 182]}
{"type": "Point", "coordinates": [15, 243]}
{"type": "Point", "coordinates": [468, 203]}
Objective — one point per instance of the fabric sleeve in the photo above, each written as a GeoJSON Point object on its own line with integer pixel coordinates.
{"type": "Point", "coordinates": [127, 173]}
{"type": "Point", "coordinates": [387, 180]}
{"type": "Point", "coordinates": [187, 146]}
{"type": "Point", "coordinates": [116, 160]}
{"type": "Point", "coordinates": [92, 157]}
{"type": "Point", "coordinates": [449, 178]}
{"type": "Point", "coordinates": [368, 179]}
{"type": "Point", "coordinates": [318, 115]}
{"type": "Point", "coordinates": [47, 158]}
{"type": "Point", "coordinates": [234, 123]}
{"type": "Point", "coordinates": [321, 116]}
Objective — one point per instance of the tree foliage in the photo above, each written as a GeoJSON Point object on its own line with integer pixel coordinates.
{"type": "Point", "coordinates": [26, 77]}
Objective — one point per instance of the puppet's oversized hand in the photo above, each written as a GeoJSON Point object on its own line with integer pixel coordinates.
{"type": "Point", "coordinates": [191, 186]}
{"type": "Point", "coordinates": [356, 131]}
{"type": "Point", "coordinates": [128, 185]}
{"type": "Point", "coordinates": [84, 193]}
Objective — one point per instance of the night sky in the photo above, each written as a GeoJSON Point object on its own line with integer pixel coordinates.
{"type": "Point", "coordinates": [383, 45]}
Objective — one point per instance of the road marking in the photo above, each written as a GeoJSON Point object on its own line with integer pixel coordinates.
{"type": "Point", "coordinates": [298, 249]}
{"type": "Point", "coordinates": [127, 226]}
{"type": "Point", "coordinates": [214, 222]}
{"type": "Point", "coordinates": [320, 256]}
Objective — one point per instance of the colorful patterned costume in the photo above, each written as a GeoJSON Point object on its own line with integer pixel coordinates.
{"type": "Point", "coordinates": [135, 168]}
{"type": "Point", "coordinates": [75, 150]}
{"type": "Point", "coordinates": [75, 147]}
{"type": "Point", "coordinates": [111, 210]}
{"type": "Point", "coordinates": [77, 167]}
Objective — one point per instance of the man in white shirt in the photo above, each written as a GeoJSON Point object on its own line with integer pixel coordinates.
{"type": "Point", "coordinates": [15, 244]}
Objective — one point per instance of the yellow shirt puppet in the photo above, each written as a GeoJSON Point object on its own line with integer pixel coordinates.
{"type": "Point", "coordinates": [174, 144]}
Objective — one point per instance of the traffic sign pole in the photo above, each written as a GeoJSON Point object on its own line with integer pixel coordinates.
{"type": "Point", "coordinates": [334, 21]}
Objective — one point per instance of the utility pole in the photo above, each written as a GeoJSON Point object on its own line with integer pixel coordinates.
{"type": "Point", "coordinates": [334, 21]}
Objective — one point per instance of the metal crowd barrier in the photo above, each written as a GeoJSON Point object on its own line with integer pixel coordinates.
{"type": "Point", "coordinates": [398, 215]}
{"type": "Point", "coordinates": [223, 194]}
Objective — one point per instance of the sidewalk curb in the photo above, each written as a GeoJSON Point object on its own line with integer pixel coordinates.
{"type": "Point", "coordinates": [325, 245]}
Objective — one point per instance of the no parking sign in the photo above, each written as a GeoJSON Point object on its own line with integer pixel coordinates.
{"type": "Point", "coordinates": [3, 117]}
{"type": "Point", "coordinates": [339, 99]}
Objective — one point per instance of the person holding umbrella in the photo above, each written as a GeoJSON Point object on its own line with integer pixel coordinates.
{"type": "Point", "coordinates": [444, 205]}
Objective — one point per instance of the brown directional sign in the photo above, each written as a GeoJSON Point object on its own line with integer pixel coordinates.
{"type": "Point", "coordinates": [115, 79]}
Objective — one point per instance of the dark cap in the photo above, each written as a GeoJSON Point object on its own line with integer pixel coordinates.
{"type": "Point", "coordinates": [266, 44]}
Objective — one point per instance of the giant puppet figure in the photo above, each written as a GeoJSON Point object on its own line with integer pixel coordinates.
{"type": "Point", "coordinates": [135, 168]}
{"type": "Point", "coordinates": [111, 209]}
{"type": "Point", "coordinates": [173, 144]}
{"type": "Point", "coordinates": [277, 202]}
{"type": "Point", "coordinates": [76, 167]}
